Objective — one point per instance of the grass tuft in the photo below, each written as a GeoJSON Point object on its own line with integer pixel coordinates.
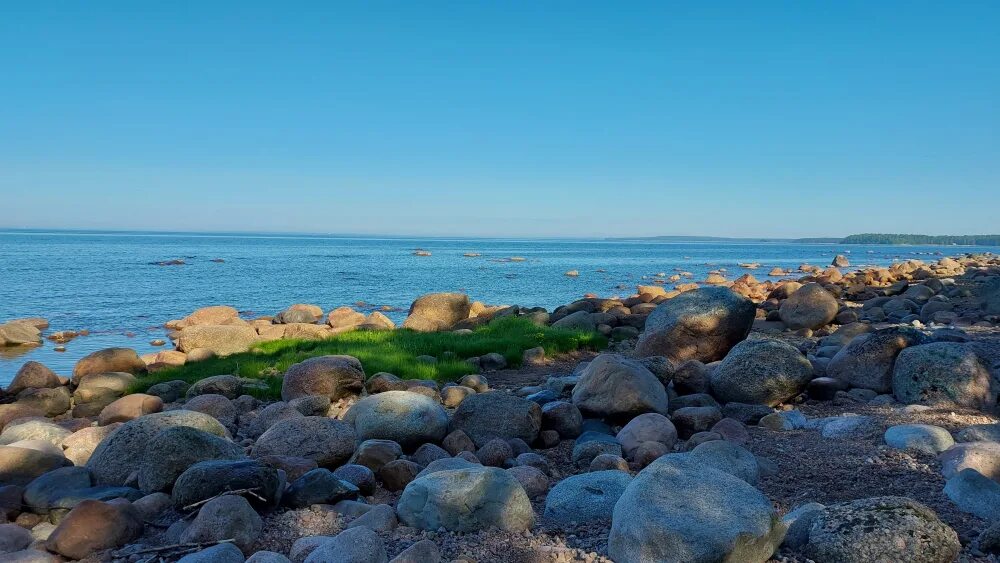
{"type": "Point", "coordinates": [393, 351]}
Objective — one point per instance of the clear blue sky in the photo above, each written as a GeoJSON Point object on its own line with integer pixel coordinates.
{"type": "Point", "coordinates": [512, 118]}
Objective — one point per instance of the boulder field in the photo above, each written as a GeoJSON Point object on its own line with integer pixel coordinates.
{"type": "Point", "coordinates": [838, 417]}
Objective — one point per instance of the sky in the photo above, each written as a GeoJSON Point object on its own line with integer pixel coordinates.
{"type": "Point", "coordinates": [540, 118]}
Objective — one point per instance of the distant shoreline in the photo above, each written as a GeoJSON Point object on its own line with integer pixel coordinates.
{"type": "Point", "coordinates": [860, 239]}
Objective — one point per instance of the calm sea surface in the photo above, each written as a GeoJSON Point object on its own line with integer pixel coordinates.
{"type": "Point", "coordinates": [106, 283]}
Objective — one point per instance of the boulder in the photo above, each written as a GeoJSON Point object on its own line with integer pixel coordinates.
{"type": "Point", "coordinates": [229, 386]}
{"type": "Point", "coordinates": [409, 419]}
{"type": "Point", "coordinates": [14, 538]}
{"type": "Point", "coordinates": [221, 340]}
{"type": "Point", "coordinates": [466, 500]}
{"type": "Point", "coordinates": [269, 416]}
{"type": "Point", "coordinates": [919, 437]}
{"type": "Point", "coordinates": [586, 497]}
{"type": "Point", "coordinates": [943, 373]}
{"type": "Point", "coordinates": [34, 429]}
{"type": "Point", "coordinates": [496, 414]}
{"type": "Point", "coordinates": [612, 386]}
{"type": "Point", "coordinates": [216, 406]}
{"type": "Point", "coordinates": [221, 553]}
{"type": "Point", "coordinates": [984, 457]}
{"type": "Point", "coordinates": [353, 545]}
{"type": "Point", "coordinates": [437, 311]}
{"type": "Point", "coordinates": [19, 333]}
{"type": "Point", "coordinates": [373, 454]}
{"type": "Point", "coordinates": [319, 486]}
{"type": "Point", "coordinates": [727, 457]}
{"type": "Point", "coordinates": [677, 510]}
{"type": "Point", "coordinates": [767, 372]}
{"type": "Point", "coordinates": [649, 427]}
{"type": "Point", "coordinates": [867, 361]}
{"type": "Point", "coordinates": [975, 494]}
{"type": "Point", "coordinates": [328, 441]}
{"type": "Point", "coordinates": [33, 375]}
{"type": "Point", "coordinates": [880, 529]}
{"type": "Point", "coordinates": [214, 315]}
{"type": "Point", "coordinates": [95, 526]}
{"type": "Point", "coordinates": [702, 324]}
{"type": "Point", "coordinates": [121, 453]}
{"type": "Point", "coordinates": [562, 417]}
{"type": "Point", "coordinates": [129, 407]}
{"type": "Point", "coordinates": [229, 517]}
{"type": "Point", "coordinates": [332, 376]}
{"type": "Point", "coordinates": [174, 450]}
{"type": "Point", "coordinates": [811, 306]}
{"type": "Point", "coordinates": [20, 465]}
{"type": "Point", "coordinates": [345, 318]}
{"type": "Point", "coordinates": [124, 360]}
{"type": "Point", "coordinates": [299, 313]}
{"type": "Point", "coordinates": [207, 479]}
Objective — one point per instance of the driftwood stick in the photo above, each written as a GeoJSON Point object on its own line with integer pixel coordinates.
{"type": "Point", "coordinates": [251, 491]}
{"type": "Point", "coordinates": [185, 547]}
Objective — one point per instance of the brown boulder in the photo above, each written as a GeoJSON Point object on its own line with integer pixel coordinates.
{"type": "Point", "coordinates": [331, 376]}
{"type": "Point", "coordinates": [109, 360]}
{"type": "Point", "coordinates": [437, 311]}
{"type": "Point", "coordinates": [129, 407]}
{"type": "Point", "coordinates": [94, 526]}
{"type": "Point", "coordinates": [33, 375]}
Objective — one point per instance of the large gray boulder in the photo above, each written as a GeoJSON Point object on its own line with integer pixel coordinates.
{"type": "Point", "coordinates": [727, 457]}
{"type": "Point", "coordinates": [975, 493]}
{"type": "Point", "coordinates": [332, 376]}
{"type": "Point", "coordinates": [207, 479]}
{"type": "Point", "coordinates": [229, 517]}
{"type": "Point", "coordinates": [496, 414]}
{"type": "Point", "coordinates": [437, 311]}
{"type": "Point", "coordinates": [175, 449]}
{"type": "Point", "coordinates": [678, 510]}
{"type": "Point", "coordinates": [327, 441]}
{"type": "Point", "coordinates": [587, 496]}
{"type": "Point", "coordinates": [766, 372]}
{"type": "Point", "coordinates": [943, 373]}
{"type": "Point", "coordinates": [466, 500]}
{"type": "Point", "coordinates": [867, 361]}
{"type": "Point", "coordinates": [409, 419]}
{"type": "Point", "coordinates": [122, 452]}
{"type": "Point", "coordinates": [612, 386]}
{"type": "Point", "coordinates": [702, 324]}
{"type": "Point", "coordinates": [880, 529]}
{"type": "Point", "coordinates": [810, 306]}
{"type": "Point", "coordinates": [353, 545]}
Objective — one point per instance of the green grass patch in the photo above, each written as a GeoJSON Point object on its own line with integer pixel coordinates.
{"type": "Point", "coordinates": [393, 351]}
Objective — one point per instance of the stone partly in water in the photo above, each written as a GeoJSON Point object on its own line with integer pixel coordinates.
{"type": "Point", "coordinates": [702, 324]}
{"type": "Point", "coordinates": [943, 373]}
{"type": "Point", "coordinates": [676, 510]}
{"type": "Point", "coordinates": [766, 372]}
{"type": "Point", "coordinates": [109, 360]}
{"type": "Point", "coordinates": [221, 340]}
{"type": "Point", "coordinates": [466, 500]}
{"type": "Point", "coordinates": [880, 529]}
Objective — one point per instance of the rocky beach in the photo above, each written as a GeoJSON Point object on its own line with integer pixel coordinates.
{"type": "Point", "coordinates": [826, 414]}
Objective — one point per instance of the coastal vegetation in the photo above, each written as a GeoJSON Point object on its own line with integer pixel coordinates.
{"type": "Point", "coordinates": [404, 353]}
{"type": "Point", "coordinates": [965, 240]}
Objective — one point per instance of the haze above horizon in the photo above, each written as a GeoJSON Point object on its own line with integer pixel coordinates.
{"type": "Point", "coordinates": [556, 119]}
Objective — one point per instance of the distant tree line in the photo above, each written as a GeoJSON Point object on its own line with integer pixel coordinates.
{"type": "Point", "coordinates": [881, 238]}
